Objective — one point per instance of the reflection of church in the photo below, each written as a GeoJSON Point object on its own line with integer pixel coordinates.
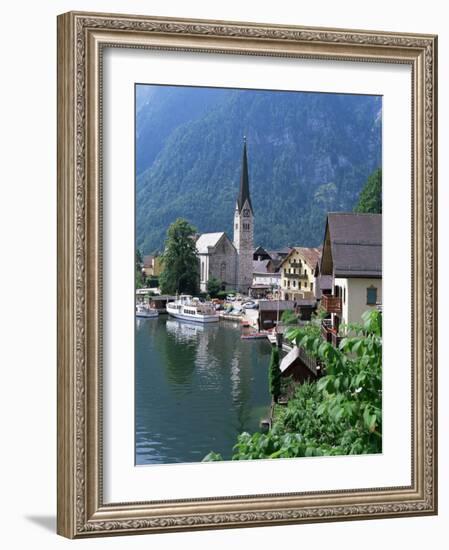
{"type": "Point", "coordinates": [231, 262]}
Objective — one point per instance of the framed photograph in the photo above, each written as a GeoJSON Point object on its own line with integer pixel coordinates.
{"type": "Point", "coordinates": [247, 274]}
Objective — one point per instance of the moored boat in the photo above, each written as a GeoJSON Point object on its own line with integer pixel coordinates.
{"type": "Point", "coordinates": [143, 311]}
{"type": "Point", "coordinates": [191, 309]}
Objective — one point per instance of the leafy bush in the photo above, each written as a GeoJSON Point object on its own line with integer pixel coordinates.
{"type": "Point", "coordinates": [213, 287]}
{"type": "Point", "coordinates": [289, 317]}
{"type": "Point", "coordinates": [340, 413]}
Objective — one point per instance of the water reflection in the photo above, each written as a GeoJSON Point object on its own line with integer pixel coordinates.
{"type": "Point", "coordinates": [197, 387]}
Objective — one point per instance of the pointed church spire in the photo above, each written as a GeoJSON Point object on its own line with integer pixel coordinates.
{"type": "Point", "coordinates": [244, 181]}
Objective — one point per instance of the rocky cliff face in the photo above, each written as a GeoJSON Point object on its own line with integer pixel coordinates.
{"type": "Point", "coordinates": [308, 154]}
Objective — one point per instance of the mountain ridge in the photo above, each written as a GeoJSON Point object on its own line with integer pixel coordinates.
{"type": "Point", "coordinates": [308, 153]}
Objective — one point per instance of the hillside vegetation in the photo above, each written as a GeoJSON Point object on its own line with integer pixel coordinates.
{"type": "Point", "coordinates": [308, 154]}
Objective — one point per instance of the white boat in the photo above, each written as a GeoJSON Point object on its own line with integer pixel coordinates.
{"type": "Point", "coordinates": [191, 309]}
{"type": "Point", "coordinates": [145, 311]}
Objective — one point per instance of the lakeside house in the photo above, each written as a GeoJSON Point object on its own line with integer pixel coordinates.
{"type": "Point", "coordinates": [299, 366]}
{"type": "Point", "coordinates": [270, 311]}
{"type": "Point", "coordinates": [352, 257]}
{"type": "Point", "coordinates": [266, 271]}
{"type": "Point", "coordinates": [298, 273]}
{"type": "Point", "coordinates": [266, 278]}
{"type": "Point", "coordinates": [152, 266]}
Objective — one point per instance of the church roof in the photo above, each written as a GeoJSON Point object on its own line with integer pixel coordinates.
{"type": "Point", "coordinates": [244, 182]}
{"type": "Point", "coordinates": [206, 240]}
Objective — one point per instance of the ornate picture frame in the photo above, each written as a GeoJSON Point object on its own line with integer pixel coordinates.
{"type": "Point", "coordinates": [82, 38]}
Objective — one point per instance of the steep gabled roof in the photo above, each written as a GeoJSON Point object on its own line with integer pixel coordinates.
{"type": "Point", "coordinates": [260, 251]}
{"type": "Point", "coordinates": [244, 182]}
{"type": "Point", "coordinates": [289, 359]}
{"type": "Point", "coordinates": [206, 240]}
{"type": "Point", "coordinates": [310, 255]}
{"type": "Point", "coordinates": [353, 245]}
{"type": "Point", "coordinates": [280, 254]}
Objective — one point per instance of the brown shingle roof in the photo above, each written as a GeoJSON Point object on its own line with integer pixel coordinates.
{"type": "Point", "coordinates": [310, 255]}
{"type": "Point", "coordinates": [356, 244]}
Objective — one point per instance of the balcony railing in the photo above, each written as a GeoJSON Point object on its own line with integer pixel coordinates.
{"type": "Point", "coordinates": [295, 275]}
{"type": "Point", "coordinates": [329, 334]}
{"type": "Point", "coordinates": [332, 304]}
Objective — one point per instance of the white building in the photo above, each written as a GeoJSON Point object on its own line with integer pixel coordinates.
{"type": "Point", "coordinates": [352, 256]}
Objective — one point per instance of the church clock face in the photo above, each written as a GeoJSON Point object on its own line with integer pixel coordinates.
{"type": "Point", "coordinates": [246, 213]}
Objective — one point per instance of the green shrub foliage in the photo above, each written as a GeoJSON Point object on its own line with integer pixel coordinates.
{"type": "Point", "coordinates": [339, 414]}
{"type": "Point", "coordinates": [371, 196]}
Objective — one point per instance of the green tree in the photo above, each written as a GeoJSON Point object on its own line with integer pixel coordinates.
{"type": "Point", "coordinates": [179, 260]}
{"type": "Point", "coordinates": [213, 287]}
{"type": "Point", "coordinates": [274, 374]}
{"type": "Point", "coordinates": [289, 318]}
{"type": "Point", "coordinates": [370, 199]}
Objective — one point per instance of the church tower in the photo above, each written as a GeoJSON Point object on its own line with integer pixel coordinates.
{"type": "Point", "coordinates": [244, 230]}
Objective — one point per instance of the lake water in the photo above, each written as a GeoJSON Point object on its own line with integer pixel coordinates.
{"type": "Point", "coordinates": [197, 387]}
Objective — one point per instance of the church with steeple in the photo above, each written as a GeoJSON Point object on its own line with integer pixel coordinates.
{"type": "Point", "coordinates": [244, 229]}
{"type": "Point", "coordinates": [231, 262]}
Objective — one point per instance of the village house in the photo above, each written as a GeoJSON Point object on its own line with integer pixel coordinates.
{"type": "Point", "coordinates": [298, 273]}
{"type": "Point", "coordinates": [152, 266]}
{"type": "Point", "coordinates": [266, 279]}
{"type": "Point", "coordinates": [276, 256]}
{"type": "Point", "coordinates": [299, 366]}
{"type": "Point", "coordinates": [352, 256]}
{"type": "Point", "coordinates": [270, 311]}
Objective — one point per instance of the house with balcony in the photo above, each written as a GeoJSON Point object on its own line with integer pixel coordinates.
{"type": "Point", "coordinates": [298, 273]}
{"type": "Point", "coordinates": [352, 257]}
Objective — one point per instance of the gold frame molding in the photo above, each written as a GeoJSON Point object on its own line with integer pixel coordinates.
{"type": "Point", "coordinates": [81, 38]}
